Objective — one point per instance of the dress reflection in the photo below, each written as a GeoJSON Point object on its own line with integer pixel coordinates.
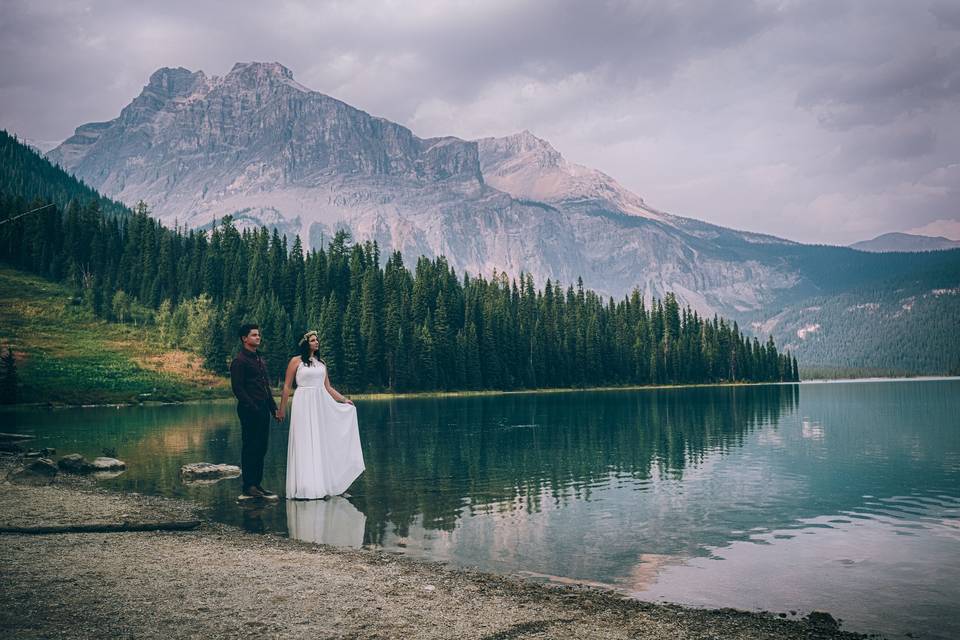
{"type": "Point", "coordinates": [333, 521]}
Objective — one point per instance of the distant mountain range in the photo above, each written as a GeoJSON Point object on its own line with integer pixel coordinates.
{"type": "Point", "coordinates": [259, 146]}
{"type": "Point", "coordinates": [905, 242]}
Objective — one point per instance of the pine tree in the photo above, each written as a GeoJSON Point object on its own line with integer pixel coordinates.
{"type": "Point", "coordinates": [351, 364]}
{"type": "Point", "coordinates": [215, 352]}
{"type": "Point", "coordinates": [329, 336]}
{"type": "Point", "coordinates": [9, 386]}
{"type": "Point", "coordinates": [371, 332]}
{"type": "Point", "coordinates": [444, 354]}
{"type": "Point", "coordinates": [426, 357]}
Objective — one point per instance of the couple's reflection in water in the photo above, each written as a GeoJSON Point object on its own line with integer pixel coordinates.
{"type": "Point", "coordinates": [334, 520]}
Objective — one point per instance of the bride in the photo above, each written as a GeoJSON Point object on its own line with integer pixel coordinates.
{"type": "Point", "coordinates": [323, 451]}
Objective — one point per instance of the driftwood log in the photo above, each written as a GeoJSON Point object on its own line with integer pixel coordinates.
{"type": "Point", "coordinates": [109, 527]}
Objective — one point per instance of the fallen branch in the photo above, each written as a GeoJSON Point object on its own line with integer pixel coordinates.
{"type": "Point", "coordinates": [16, 436]}
{"type": "Point", "coordinates": [183, 525]}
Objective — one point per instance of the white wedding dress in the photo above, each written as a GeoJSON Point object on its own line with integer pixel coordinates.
{"type": "Point", "coordinates": [323, 451]}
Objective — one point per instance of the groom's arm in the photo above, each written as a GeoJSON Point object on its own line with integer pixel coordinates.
{"type": "Point", "coordinates": [238, 379]}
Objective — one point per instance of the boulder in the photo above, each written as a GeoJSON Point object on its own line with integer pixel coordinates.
{"type": "Point", "coordinates": [822, 620]}
{"type": "Point", "coordinates": [107, 464]}
{"type": "Point", "coordinates": [74, 463]}
{"type": "Point", "coordinates": [39, 471]}
{"type": "Point", "coordinates": [209, 472]}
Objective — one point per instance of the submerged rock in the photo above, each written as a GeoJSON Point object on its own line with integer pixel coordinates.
{"type": "Point", "coordinates": [40, 471]}
{"type": "Point", "coordinates": [76, 463]}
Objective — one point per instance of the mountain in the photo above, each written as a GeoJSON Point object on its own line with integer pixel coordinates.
{"type": "Point", "coordinates": [257, 145]}
{"type": "Point", "coordinates": [905, 242]}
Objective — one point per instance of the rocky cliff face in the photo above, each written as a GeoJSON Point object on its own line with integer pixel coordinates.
{"type": "Point", "coordinates": [257, 145]}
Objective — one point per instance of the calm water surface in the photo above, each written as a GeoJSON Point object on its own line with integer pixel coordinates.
{"type": "Point", "coordinates": [843, 497]}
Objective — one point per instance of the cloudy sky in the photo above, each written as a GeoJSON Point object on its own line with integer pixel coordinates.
{"type": "Point", "coordinates": [821, 121]}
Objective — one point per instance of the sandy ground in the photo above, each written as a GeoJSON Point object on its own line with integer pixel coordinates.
{"type": "Point", "coordinates": [218, 581]}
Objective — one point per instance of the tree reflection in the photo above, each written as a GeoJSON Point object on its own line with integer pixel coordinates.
{"type": "Point", "coordinates": [437, 457]}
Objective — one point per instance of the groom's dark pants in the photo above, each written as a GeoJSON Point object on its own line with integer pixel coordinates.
{"type": "Point", "coordinates": [255, 427]}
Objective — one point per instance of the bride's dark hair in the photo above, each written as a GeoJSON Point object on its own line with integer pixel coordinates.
{"type": "Point", "coordinates": [305, 348]}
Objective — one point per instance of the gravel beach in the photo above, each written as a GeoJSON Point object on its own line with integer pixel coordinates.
{"type": "Point", "coordinates": [218, 581]}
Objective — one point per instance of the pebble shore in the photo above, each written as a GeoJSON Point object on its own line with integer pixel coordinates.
{"type": "Point", "coordinates": [219, 581]}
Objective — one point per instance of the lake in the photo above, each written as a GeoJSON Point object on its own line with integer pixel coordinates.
{"type": "Point", "coordinates": [842, 497]}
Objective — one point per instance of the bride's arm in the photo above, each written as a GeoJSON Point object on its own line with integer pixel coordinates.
{"type": "Point", "coordinates": [288, 385]}
{"type": "Point", "coordinates": [333, 392]}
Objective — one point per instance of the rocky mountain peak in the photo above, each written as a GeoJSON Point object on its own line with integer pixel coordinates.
{"type": "Point", "coordinates": [261, 69]}
{"type": "Point", "coordinates": [261, 75]}
{"type": "Point", "coordinates": [528, 167]}
{"type": "Point", "coordinates": [520, 147]}
{"type": "Point", "coordinates": [173, 83]}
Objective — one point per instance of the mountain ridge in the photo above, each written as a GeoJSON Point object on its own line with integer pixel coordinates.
{"type": "Point", "coordinates": [257, 145]}
{"type": "Point", "coordinates": [895, 241]}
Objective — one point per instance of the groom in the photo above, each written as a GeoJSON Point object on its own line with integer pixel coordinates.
{"type": "Point", "coordinates": [255, 406]}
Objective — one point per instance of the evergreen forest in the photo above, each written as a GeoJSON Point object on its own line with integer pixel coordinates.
{"type": "Point", "coordinates": [382, 325]}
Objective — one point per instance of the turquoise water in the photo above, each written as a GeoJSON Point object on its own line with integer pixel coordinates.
{"type": "Point", "coordinates": [842, 497]}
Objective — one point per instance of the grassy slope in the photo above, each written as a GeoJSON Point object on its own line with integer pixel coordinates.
{"type": "Point", "coordinates": [65, 355]}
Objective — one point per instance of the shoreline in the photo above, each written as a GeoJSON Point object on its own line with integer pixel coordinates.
{"type": "Point", "coordinates": [218, 581]}
{"type": "Point", "coordinates": [421, 395]}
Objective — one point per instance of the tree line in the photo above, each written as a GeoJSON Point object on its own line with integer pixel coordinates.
{"type": "Point", "coordinates": [381, 325]}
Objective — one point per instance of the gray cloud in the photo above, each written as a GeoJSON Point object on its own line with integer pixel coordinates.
{"type": "Point", "coordinates": [947, 13]}
{"type": "Point", "coordinates": [922, 80]}
{"type": "Point", "coordinates": [772, 115]}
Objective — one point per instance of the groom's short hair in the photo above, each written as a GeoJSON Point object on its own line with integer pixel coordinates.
{"type": "Point", "coordinates": [245, 329]}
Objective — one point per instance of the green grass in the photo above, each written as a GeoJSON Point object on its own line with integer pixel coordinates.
{"type": "Point", "coordinates": [65, 355]}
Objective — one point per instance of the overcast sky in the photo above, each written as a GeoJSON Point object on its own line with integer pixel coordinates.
{"type": "Point", "coordinates": [825, 122]}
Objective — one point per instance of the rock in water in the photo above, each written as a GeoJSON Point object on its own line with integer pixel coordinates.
{"type": "Point", "coordinates": [107, 464]}
{"type": "Point", "coordinates": [74, 463]}
{"type": "Point", "coordinates": [40, 471]}
{"type": "Point", "coordinates": [209, 471]}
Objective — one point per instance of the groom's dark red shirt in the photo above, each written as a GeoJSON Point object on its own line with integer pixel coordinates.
{"type": "Point", "coordinates": [248, 377]}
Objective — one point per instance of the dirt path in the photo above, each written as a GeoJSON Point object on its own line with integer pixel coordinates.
{"type": "Point", "coordinates": [218, 581]}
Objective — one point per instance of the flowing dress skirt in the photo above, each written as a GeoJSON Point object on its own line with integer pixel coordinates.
{"type": "Point", "coordinates": [323, 451]}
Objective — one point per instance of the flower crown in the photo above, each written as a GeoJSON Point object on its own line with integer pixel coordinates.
{"type": "Point", "coordinates": [306, 337]}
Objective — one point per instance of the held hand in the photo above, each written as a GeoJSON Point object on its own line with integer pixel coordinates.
{"type": "Point", "coordinates": [278, 415]}
{"type": "Point", "coordinates": [347, 401]}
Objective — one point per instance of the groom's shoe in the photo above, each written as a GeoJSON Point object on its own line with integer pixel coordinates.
{"type": "Point", "coordinates": [269, 495]}
{"type": "Point", "coordinates": [253, 492]}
